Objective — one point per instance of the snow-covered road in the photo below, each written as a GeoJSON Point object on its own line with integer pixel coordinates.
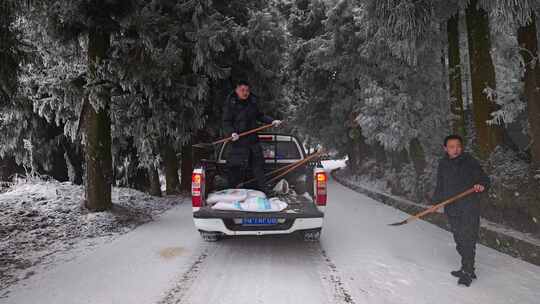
{"type": "Point", "coordinates": [359, 260]}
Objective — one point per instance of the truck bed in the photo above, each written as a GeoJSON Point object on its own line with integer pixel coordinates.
{"type": "Point", "coordinates": [298, 207]}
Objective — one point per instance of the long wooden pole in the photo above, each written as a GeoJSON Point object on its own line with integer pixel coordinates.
{"type": "Point", "coordinates": [298, 164]}
{"type": "Point", "coordinates": [243, 134]}
{"type": "Point", "coordinates": [434, 208]}
{"type": "Point", "coordinates": [289, 166]}
{"type": "Point", "coordinates": [207, 145]}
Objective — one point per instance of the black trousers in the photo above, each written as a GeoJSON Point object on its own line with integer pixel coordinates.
{"type": "Point", "coordinates": [242, 157]}
{"type": "Point", "coordinates": [465, 228]}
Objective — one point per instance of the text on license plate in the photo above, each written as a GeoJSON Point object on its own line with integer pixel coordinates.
{"type": "Point", "coordinates": [259, 221]}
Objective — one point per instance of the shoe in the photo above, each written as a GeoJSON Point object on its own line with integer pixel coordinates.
{"type": "Point", "coordinates": [459, 273]}
{"type": "Point", "coordinates": [465, 279]}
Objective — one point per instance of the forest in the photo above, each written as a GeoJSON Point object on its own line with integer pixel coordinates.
{"type": "Point", "coordinates": [114, 93]}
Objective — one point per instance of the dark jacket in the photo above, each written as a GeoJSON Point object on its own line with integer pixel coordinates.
{"type": "Point", "coordinates": [455, 176]}
{"type": "Point", "coordinates": [242, 115]}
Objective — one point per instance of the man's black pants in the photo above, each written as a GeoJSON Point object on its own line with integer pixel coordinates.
{"type": "Point", "coordinates": [465, 229]}
{"type": "Point", "coordinates": [240, 158]}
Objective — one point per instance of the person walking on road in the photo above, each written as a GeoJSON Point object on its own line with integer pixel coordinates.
{"type": "Point", "coordinates": [457, 172]}
{"type": "Point", "coordinates": [241, 114]}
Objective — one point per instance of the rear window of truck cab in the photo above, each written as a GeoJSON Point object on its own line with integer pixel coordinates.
{"type": "Point", "coordinates": [273, 149]}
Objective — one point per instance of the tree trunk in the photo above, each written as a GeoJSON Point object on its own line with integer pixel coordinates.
{"type": "Point", "coordinates": [454, 75]}
{"type": "Point", "coordinates": [418, 159]}
{"type": "Point", "coordinates": [417, 156]}
{"type": "Point", "coordinates": [74, 161]}
{"type": "Point", "coordinates": [140, 181]}
{"type": "Point", "coordinates": [528, 43]}
{"type": "Point", "coordinates": [171, 169]}
{"type": "Point", "coordinates": [352, 162]}
{"type": "Point", "coordinates": [482, 76]}
{"type": "Point", "coordinates": [378, 153]}
{"type": "Point", "coordinates": [8, 168]}
{"type": "Point", "coordinates": [155, 186]}
{"type": "Point", "coordinates": [187, 167]}
{"type": "Point", "coordinates": [98, 132]}
{"type": "Point", "coordinates": [357, 149]}
{"type": "Point", "coordinates": [133, 175]}
{"type": "Point", "coordinates": [59, 168]}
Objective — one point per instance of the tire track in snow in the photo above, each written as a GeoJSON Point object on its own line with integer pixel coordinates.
{"type": "Point", "coordinates": [177, 293]}
{"type": "Point", "coordinates": [335, 289]}
{"type": "Point", "coordinates": [331, 275]}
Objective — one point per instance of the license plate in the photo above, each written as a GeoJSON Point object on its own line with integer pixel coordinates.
{"type": "Point", "coordinates": [259, 221]}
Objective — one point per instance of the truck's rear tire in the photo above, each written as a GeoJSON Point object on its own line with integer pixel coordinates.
{"type": "Point", "coordinates": [210, 236]}
{"type": "Point", "coordinates": [312, 235]}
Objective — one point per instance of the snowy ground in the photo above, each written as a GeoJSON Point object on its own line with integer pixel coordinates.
{"type": "Point", "coordinates": [360, 259]}
{"type": "Point", "coordinates": [43, 223]}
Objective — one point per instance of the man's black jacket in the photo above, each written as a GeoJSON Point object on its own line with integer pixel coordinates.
{"type": "Point", "coordinates": [455, 176]}
{"type": "Point", "coordinates": [242, 115]}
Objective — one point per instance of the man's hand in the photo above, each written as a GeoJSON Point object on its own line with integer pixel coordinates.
{"type": "Point", "coordinates": [479, 188]}
{"type": "Point", "coordinates": [276, 123]}
{"type": "Point", "coordinates": [235, 137]}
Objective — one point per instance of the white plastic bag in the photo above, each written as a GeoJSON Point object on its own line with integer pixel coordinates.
{"type": "Point", "coordinates": [228, 195]}
{"type": "Point", "coordinates": [258, 204]}
{"type": "Point", "coordinates": [282, 187]}
{"type": "Point", "coordinates": [278, 204]}
{"type": "Point", "coordinates": [307, 196]}
{"type": "Point", "coordinates": [253, 204]}
{"type": "Point", "coordinates": [228, 206]}
{"type": "Point", "coordinates": [255, 193]}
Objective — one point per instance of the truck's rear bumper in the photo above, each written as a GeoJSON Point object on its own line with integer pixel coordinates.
{"type": "Point", "coordinates": [307, 210]}
{"type": "Point", "coordinates": [217, 225]}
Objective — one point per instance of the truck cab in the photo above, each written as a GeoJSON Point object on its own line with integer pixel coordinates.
{"type": "Point", "coordinates": [306, 198]}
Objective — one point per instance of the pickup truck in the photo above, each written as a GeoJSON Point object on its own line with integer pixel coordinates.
{"type": "Point", "coordinates": [306, 197]}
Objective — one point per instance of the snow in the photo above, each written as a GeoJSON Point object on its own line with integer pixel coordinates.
{"type": "Point", "coordinates": [360, 259]}
{"type": "Point", "coordinates": [132, 269]}
{"type": "Point", "coordinates": [379, 185]}
{"type": "Point", "coordinates": [411, 263]}
{"type": "Point", "coordinates": [522, 236]}
{"type": "Point", "coordinates": [43, 223]}
{"type": "Point", "coordinates": [330, 165]}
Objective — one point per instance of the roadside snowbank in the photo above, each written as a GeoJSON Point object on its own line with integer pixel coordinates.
{"type": "Point", "coordinates": [42, 220]}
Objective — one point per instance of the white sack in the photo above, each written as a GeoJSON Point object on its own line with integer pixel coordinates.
{"type": "Point", "coordinates": [253, 204]}
{"type": "Point", "coordinates": [255, 193]}
{"type": "Point", "coordinates": [228, 195]}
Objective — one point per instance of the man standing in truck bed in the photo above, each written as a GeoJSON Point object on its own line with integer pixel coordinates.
{"type": "Point", "coordinates": [458, 172]}
{"type": "Point", "coordinates": [241, 114]}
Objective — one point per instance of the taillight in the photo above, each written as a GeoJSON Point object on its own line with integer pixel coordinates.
{"type": "Point", "coordinates": [196, 189]}
{"type": "Point", "coordinates": [320, 180]}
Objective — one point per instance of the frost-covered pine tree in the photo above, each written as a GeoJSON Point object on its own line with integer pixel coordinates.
{"type": "Point", "coordinates": [11, 53]}
{"type": "Point", "coordinates": [165, 62]}
{"type": "Point", "coordinates": [364, 87]}
{"type": "Point", "coordinates": [521, 17]}
{"type": "Point", "coordinates": [22, 119]}
{"type": "Point", "coordinates": [95, 21]}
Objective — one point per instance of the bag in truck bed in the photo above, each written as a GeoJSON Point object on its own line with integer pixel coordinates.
{"type": "Point", "coordinates": [233, 195]}
{"type": "Point", "coordinates": [253, 204]}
